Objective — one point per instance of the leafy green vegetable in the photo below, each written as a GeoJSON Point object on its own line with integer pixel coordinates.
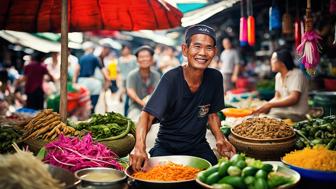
{"type": "Point", "coordinates": [109, 126]}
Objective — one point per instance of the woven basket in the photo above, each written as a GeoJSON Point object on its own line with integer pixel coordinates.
{"type": "Point", "coordinates": [122, 147]}
{"type": "Point", "coordinates": [34, 145]}
{"type": "Point", "coordinates": [263, 150]}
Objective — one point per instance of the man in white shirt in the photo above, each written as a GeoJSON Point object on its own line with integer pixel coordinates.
{"type": "Point", "coordinates": [291, 89]}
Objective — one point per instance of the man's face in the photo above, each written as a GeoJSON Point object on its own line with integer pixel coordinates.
{"type": "Point", "coordinates": [125, 51]}
{"type": "Point", "coordinates": [200, 51]}
{"type": "Point", "coordinates": [105, 51]}
{"type": "Point", "coordinates": [227, 43]}
{"type": "Point", "coordinates": [145, 59]}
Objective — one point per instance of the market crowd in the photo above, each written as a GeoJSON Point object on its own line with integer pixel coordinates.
{"type": "Point", "coordinates": [98, 69]}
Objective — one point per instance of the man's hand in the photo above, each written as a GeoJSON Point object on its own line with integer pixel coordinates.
{"type": "Point", "coordinates": [234, 78]}
{"type": "Point", "coordinates": [225, 148]}
{"type": "Point", "coordinates": [263, 109]}
{"type": "Point", "coordinates": [138, 158]}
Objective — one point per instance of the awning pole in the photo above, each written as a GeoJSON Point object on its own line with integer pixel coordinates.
{"type": "Point", "coordinates": [64, 60]}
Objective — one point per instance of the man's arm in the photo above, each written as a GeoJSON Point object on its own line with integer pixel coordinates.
{"type": "Point", "coordinates": [138, 157]}
{"type": "Point", "coordinates": [235, 73]}
{"type": "Point", "coordinates": [224, 147]}
{"type": "Point", "coordinates": [276, 96]}
{"type": "Point", "coordinates": [76, 73]}
{"type": "Point", "coordinates": [132, 94]}
{"type": "Point", "coordinates": [105, 74]}
{"type": "Point", "coordinates": [51, 77]}
{"type": "Point", "coordinates": [292, 99]}
{"type": "Point", "coordinates": [20, 80]}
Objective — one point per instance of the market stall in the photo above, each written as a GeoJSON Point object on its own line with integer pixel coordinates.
{"type": "Point", "coordinates": [272, 153]}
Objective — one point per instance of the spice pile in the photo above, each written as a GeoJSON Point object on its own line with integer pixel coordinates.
{"type": "Point", "coordinates": [263, 128]}
{"type": "Point", "coordinates": [318, 158]}
{"type": "Point", "coordinates": [168, 172]}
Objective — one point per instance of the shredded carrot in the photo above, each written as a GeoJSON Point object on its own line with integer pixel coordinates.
{"type": "Point", "coordinates": [168, 172]}
{"type": "Point", "coordinates": [318, 158]}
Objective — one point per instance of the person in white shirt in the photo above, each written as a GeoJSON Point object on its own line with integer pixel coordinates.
{"type": "Point", "coordinates": [291, 89]}
{"type": "Point", "coordinates": [229, 60]}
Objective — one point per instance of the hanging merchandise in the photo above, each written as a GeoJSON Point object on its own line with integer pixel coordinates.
{"type": "Point", "coordinates": [297, 32]}
{"type": "Point", "coordinates": [332, 7]}
{"type": "Point", "coordinates": [243, 26]}
{"type": "Point", "coordinates": [250, 24]}
{"type": "Point", "coordinates": [286, 21]}
{"type": "Point", "coordinates": [274, 17]}
{"type": "Point", "coordinates": [334, 42]}
{"type": "Point", "coordinates": [297, 27]}
{"type": "Point", "coordinates": [308, 48]}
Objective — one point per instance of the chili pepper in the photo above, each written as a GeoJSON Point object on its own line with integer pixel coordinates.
{"type": "Point", "coordinates": [332, 144]}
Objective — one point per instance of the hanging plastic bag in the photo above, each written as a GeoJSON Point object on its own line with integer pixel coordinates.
{"type": "Point", "coordinates": [250, 24]}
{"type": "Point", "coordinates": [286, 22]}
{"type": "Point", "coordinates": [251, 30]}
{"type": "Point", "coordinates": [242, 26]}
{"type": "Point", "coordinates": [274, 17]}
{"type": "Point", "coordinates": [297, 32]}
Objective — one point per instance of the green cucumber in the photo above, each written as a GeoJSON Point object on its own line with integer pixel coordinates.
{"type": "Point", "coordinates": [235, 158]}
{"type": "Point", "coordinates": [222, 186]}
{"type": "Point", "coordinates": [223, 167]}
{"type": "Point", "coordinates": [261, 174]}
{"type": "Point", "coordinates": [260, 183]}
{"type": "Point", "coordinates": [213, 178]}
{"type": "Point", "coordinates": [267, 167]}
{"type": "Point", "coordinates": [249, 171]}
{"type": "Point", "coordinates": [235, 181]}
{"type": "Point", "coordinates": [234, 171]}
{"type": "Point", "coordinates": [249, 180]}
{"type": "Point", "coordinates": [201, 176]}
{"type": "Point", "coordinates": [241, 164]}
{"type": "Point", "coordinates": [211, 170]}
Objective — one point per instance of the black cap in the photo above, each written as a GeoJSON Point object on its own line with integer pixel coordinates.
{"type": "Point", "coordinates": [144, 47]}
{"type": "Point", "coordinates": [200, 29]}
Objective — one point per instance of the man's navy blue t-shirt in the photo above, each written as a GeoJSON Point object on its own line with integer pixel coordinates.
{"type": "Point", "coordinates": [88, 64]}
{"type": "Point", "coordinates": [183, 115]}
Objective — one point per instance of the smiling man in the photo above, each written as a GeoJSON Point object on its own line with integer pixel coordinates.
{"type": "Point", "coordinates": [185, 100]}
{"type": "Point", "coordinates": [142, 81]}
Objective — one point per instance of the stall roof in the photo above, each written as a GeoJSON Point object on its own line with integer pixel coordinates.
{"type": "Point", "coordinates": [148, 34]}
{"type": "Point", "coordinates": [37, 43]}
{"type": "Point", "coordinates": [197, 16]}
{"type": "Point", "coordinates": [31, 41]}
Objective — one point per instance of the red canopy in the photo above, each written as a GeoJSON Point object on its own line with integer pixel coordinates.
{"type": "Point", "coordinates": [88, 15]}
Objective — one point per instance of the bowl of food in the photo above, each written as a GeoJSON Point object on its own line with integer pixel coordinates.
{"type": "Point", "coordinates": [63, 176]}
{"type": "Point", "coordinates": [177, 171]}
{"type": "Point", "coordinates": [263, 138]}
{"type": "Point", "coordinates": [317, 163]}
{"type": "Point", "coordinates": [101, 176]}
{"type": "Point", "coordinates": [245, 172]}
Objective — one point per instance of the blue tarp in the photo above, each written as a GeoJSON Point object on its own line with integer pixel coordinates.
{"type": "Point", "coordinates": [187, 7]}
